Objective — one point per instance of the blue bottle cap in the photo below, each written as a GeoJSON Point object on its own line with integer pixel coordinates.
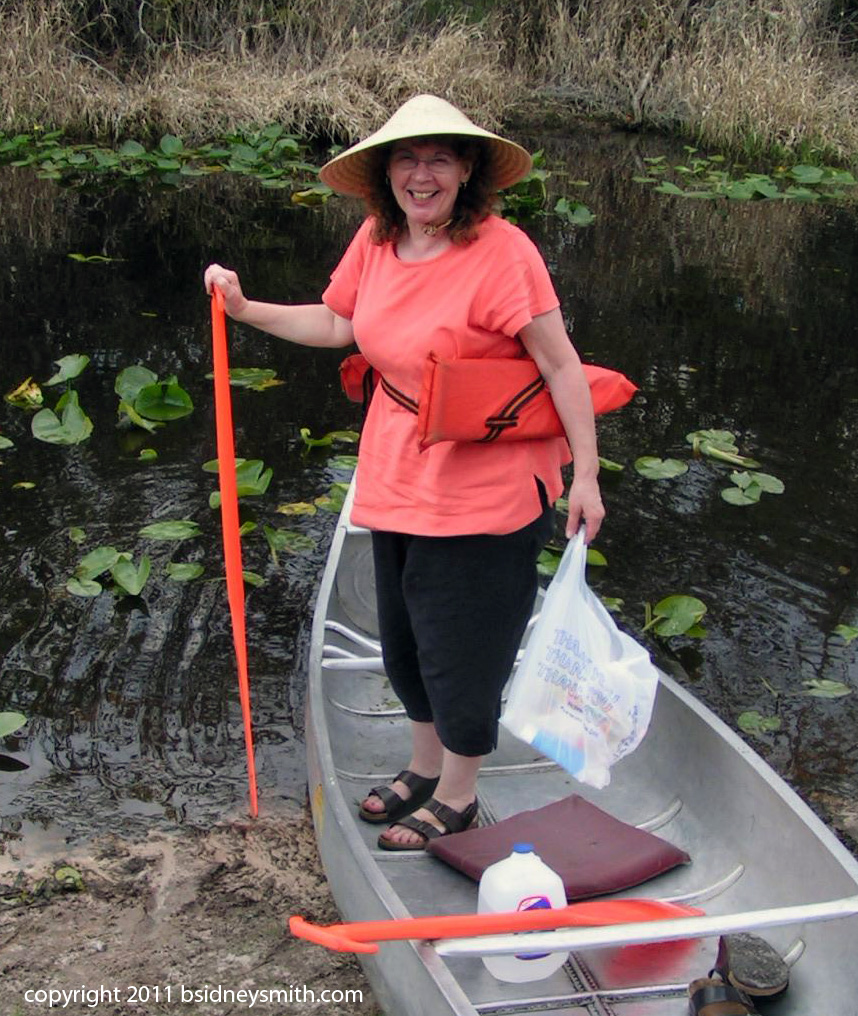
{"type": "Point", "coordinates": [522, 848]}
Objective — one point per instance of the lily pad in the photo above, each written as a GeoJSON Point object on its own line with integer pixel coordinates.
{"type": "Point", "coordinates": [753, 722]}
{"type": "Point", "coordinates": [6, 443]}
{"type": "Point", "coordinates": [10, 722]}
{"type": "Point", "coordinates": [344, 462]}
{"type": "Point", "coordinates": [171, 529]}
{"type": "Point", "coordinates": [184, 571]}
{"type": "Point", "coordinates": [83, 587]}
{"type": "Point", "coordinates": [163, 401]}
{"type": "Point", "coordinates": [334, 500]}
{"type": "Point", "coordinates": [343, 436]}
{"type": "Point", "coordinates": [129, 577]}
{"type": "Point", "coordinates": [297, 508]}
{"type": "Point", "coordinates": [72, 427]}
{"type": "Point", "coordinates": [69, 367]}
{"type": "Point", "coordinates": [549, 561]}
{"type": "Point", "coordinates": [677, 615]}
{"type": "Point", "coordinates": [653, 468]}
{"type": "Point", "coordinates": [96, 562]}
{"type": "Point", "coordinates": [822, 688]}
{"type": "Point", "coordinates": [288, 541]}
{"type": "Point", "coordinates": [257, 379]}
{"type": "Point", "coordinates": [251, 478]}
{"type": "Point", "coordinates": [132, 380]}
{"type": "Point", "coordinates": [28, 395]}
{"type": "Point", "coordinates": [846, 631]}
{"type": "Point", "coordinates": [740, 497]}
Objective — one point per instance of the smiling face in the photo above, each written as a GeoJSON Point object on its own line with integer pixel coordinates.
{"type": "Point", "coordinates": [425, 177]}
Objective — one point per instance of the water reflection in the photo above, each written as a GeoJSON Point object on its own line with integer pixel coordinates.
{"type": "Point", "coordinates": [740, 318]}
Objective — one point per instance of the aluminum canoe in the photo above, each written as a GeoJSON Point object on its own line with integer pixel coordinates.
{"type": "Point", "coordinates": [761, 859]}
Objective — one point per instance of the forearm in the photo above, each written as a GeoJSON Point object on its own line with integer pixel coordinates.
{"type": "Point", "coordinates": [306, 324]}
{"type": "Point", "coordinates": [570, 392]}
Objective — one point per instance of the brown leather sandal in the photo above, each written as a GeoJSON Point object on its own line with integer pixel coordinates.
{"type": "Point", "coordinates": [452, 820]}
{"type": "Point", "coordinates": [752, 965]}
{"type": "Point", "coordinates": [395, 807]}
{"type": "Point", "coordinates": [708, 996]}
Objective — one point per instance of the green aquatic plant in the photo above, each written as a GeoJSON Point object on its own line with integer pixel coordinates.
{"type": "Point", "coordinates": [273, 157]}
{"type": "Point", "coordinates": [70, 367]}
{"type": "Point", "coordinates": [10, 723]}
{"type": "Point", "coordinates": [846, 631]}
{"type": "Point", "coordinates": [529, 197]}
{"type": "Point", "coordinates": [128, 577]}
{"type": "Point", "coordinates": [823, 688]}
{"type": "Point", "coordinates": [287, 541]}
{"type": "Point", "coordinates": [707, 178]}
{"type": "Point", "coordinates": [148, 402]}
{"type": "Point", "coordinates": [184, 571]}
{"type": "Point", "coordinates": [257, 379]}
{"type": "Point", "coordinates": [297, 508]}
{"type": "Point", "coordinates": [332, 437]}
{"type": "Point", "coordinates": [653, 468]}
{"type": "Point", "coordinates": [334, 500]}
{"type": "Point", "coordinates": [251, 477]}
{"type": "Point", "coordinates": [720, 445]}
{"type": "Point", "coordinates": [676, 615]}
{"type": "Point", "coordinates": [346, 463]}
{"type": "Point", "coordinates": [91, 259]}
{"type": "Point", "coordinates": [27, 395]}
{"type": "Point", "coordinates": [71, 427]}
{"type": "Point", "coordinates": [754, 722]}
{"type": "Point", "coordinates": [549, 559]}
{"type": "Point", "coordinates": [171, 529]}
{"type": "Point", "coordinates": [749, 488]}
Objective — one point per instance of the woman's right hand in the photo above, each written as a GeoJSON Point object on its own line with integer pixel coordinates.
{"type": "Point", "coordinates": [226, 280]}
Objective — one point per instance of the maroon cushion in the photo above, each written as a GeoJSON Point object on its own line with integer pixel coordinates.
{"type": "Point", "coordinates": [593, 852]}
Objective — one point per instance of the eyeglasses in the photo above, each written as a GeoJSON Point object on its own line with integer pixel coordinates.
{"type": "Point", "coordinates": [438, 163]}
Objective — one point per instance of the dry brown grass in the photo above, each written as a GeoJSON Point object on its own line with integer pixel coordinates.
{"type": "Point", "coordinates": [725, 72]}
{"type": "Point", "coordinates": [333, 69]}
{"type": "Point", "coordinates": [730, 74]}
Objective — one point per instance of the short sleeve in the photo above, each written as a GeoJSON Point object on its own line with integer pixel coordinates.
{"type": "Point", "coordinates": [518, 289]}
{"type": "Point", "coordinates": [341, 293]}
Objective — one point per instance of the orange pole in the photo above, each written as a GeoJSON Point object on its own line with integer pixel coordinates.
{"type": "Point", "coordinates": [363, 936]}
{"type": "Point", "coordinates": [229, 523]}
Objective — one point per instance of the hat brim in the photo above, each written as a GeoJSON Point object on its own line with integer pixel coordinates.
{"type": "Point", "coordinates": [350, 172]}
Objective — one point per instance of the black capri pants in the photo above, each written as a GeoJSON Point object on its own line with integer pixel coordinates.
{"type": "Point", "coordinates": [452, 612]}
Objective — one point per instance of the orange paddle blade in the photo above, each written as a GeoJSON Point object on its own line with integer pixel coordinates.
{"type": "Point", "coordinates": [364, 936]}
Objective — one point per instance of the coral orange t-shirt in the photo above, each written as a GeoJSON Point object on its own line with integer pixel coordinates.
{"type": "Point", "coordinates": [470, 301]}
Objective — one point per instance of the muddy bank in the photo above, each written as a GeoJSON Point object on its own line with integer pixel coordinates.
{"type": "Point", "coordinates": [199, 916]}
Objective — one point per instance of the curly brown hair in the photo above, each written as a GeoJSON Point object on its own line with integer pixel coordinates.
{"type": "Point", "coordinates": [474, 202]}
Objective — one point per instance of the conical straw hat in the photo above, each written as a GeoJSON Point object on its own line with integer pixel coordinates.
{"type": "Point", "coordinates": [422, 116]}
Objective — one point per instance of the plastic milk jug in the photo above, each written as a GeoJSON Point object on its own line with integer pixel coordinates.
{"type": "Point", "coordinates": [521, 881]}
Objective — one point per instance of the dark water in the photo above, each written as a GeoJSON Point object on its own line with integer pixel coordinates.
{"type": "Point", "coordinates": [741, 318]}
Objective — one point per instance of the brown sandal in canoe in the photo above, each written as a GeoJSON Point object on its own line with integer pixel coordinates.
{"type": "Point", "coordinates": [452, 820]}
{"type": "Point", "coordinates": [396, 807]}
{"type": "Point", "coordinates": [708, 996]}
{"type": "Point", "coordinates": [752, 965]}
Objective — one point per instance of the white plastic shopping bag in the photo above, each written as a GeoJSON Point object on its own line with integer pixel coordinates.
{"type": "Point", "coordinates": [584, 691]}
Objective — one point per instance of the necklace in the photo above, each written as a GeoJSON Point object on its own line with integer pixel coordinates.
{"type": "Point", "coordinates": [431, 229]}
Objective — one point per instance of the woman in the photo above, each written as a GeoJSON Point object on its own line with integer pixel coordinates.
{"type": "Point", "coordinates": [456, 528]}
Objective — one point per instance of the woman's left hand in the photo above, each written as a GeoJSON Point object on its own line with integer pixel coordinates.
{"type": "Point", "coordinates": [585, 505]}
